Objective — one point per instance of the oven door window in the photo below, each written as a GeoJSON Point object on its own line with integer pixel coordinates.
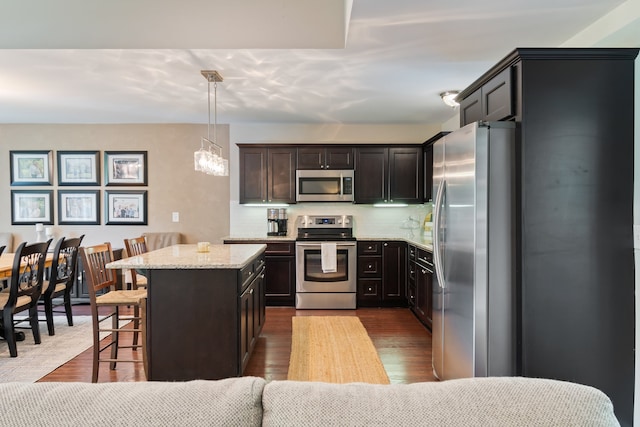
{"type": "Point", "coordinates": [313, 267]}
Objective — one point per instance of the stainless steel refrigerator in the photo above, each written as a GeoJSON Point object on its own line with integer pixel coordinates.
{"type": "Point", "coordinates": [474, 242]}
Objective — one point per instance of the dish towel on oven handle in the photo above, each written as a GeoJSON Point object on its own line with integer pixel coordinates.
{"type": "Point", "coordinates": [328, 255]}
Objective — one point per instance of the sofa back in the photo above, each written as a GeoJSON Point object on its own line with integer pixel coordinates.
{"type": "Point", "coordinates": [249, 401]}
{"type": "Point", "coordinates": [229, 402]}
{"type": "Point", "coordinates": [468, 402]}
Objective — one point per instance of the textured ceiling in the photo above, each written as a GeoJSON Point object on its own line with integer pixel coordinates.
{"type": "Point", "coordinates": [283, 61]}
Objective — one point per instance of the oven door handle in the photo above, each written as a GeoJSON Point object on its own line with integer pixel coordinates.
{"type": "Point", "coordinates": [317, 244]}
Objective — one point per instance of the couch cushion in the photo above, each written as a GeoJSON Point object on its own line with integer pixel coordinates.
{"type": "Point", "coordinates": [466, 402]}
{"type": "Point", "coordinates": [229, 402]}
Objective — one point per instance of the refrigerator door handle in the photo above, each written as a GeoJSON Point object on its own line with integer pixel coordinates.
{"type": "Point", "coordinates": [436, 235]}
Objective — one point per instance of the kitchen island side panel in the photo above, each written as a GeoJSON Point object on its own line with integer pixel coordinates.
{"type": "Point", "coordinates": [193, 324]}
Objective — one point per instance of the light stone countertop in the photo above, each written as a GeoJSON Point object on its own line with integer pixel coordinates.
{"type": "Point", "coordinates": [287, 238]}
{"type": "Point", "coordinates": [418, 239]}
{"type": "Point", "coordinates": [187, 257]}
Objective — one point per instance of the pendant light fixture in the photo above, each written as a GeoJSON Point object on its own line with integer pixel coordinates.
{"type": "Point", "coordinates": [206, 159]}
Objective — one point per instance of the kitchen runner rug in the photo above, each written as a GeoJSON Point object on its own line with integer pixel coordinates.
{"type": "Point", "coordinates": [333, 349]}
{"type": "Point", "coordinates": [34, 361]}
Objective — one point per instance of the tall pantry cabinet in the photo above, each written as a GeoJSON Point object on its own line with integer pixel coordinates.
{"type": "Point", "coordinates": [576, 268]}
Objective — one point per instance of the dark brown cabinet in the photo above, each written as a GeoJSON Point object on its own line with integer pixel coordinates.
{"type": "Point", "coordinates": [389, 174]}
{"type": "Point", "coordinates": [394, 276]}
{"type": "Point", "coordinates": [267, 174]}
{"type": "Point", "coordinates": [280, 271]}
{"type": "Point", "coordinates": [381, 274]}
{"type": "Point", "coordinates": [280, 276]}
{"type": "Point", "coordinates": [427, 153]}
{"type": "Point", "coordinates": [252, 314]}
{"type": "Point", "coordinates": [316, 157]}
{"type": "Point", "coordinates": [421, 268]}
{"type": "Point", "coordinates": [493, 101]}
{"type": "Point", "coordinates": [576, 278]}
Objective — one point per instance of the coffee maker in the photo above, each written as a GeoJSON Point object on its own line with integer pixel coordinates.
{"type": "Point", "coordinates": [276, 222]}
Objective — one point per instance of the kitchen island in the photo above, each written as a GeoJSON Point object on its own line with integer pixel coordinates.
{"type": "Point", "coordinates": [205, 310]}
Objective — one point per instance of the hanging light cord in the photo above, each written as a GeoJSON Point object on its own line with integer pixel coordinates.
{"type": "Point", "coordinates": [215, 115]}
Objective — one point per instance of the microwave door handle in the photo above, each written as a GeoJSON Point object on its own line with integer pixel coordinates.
{"type": "Point", "coordinates": [341, 185]}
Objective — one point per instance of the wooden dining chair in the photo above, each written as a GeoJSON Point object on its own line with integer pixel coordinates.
{"type": "Point", "coordinates": [134, 247]}
{"type": "Point", "coordinates": [24, 290]}
{"type": "Point", "coordinates": [101, 283]}
{"type": "Point", "coordinates": [60, 284]}
{"type": "Point", "coordinates": [3, 283]}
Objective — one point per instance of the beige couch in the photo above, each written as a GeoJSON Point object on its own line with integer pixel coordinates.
{"type": "Point", "coordinates": [250, 401]}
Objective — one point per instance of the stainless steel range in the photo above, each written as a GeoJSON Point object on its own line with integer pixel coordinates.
{"type": "Point", "coordinates": [325, 262]}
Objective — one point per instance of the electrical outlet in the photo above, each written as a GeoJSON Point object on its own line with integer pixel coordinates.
{"type": "Point", "coordinates": [175, 216]}
{"type": "Point", "coordinates": [636, 236]}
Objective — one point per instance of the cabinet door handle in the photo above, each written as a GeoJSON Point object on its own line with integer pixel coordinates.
{"type": "Point", "coordinates": [251, 291]}
{"type": "Point", "coordinates": [386, 244]}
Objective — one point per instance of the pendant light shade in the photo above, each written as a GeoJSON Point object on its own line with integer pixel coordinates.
{"type": "Point", "coordinates": [208, 158]}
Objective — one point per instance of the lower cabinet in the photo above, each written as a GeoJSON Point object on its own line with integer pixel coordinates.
{"type": "Point", "coordinates": [421, 284]}
{"type": "Point", "coordinates": [382, 274]}
{"type": "Point", "coordinates": [280, 274]}
{"type": "Point", "coordinates": [252, 315]}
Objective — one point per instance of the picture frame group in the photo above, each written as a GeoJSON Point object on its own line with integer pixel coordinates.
{"type": "Point", "coordinates": [78, 168]}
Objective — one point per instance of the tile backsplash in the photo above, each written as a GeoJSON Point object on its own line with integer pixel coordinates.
{"type": "Point", "coordinates": [369, 221]}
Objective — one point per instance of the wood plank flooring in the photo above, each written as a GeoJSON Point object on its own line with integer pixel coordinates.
{"type": "Point", "coordinates": [402, 342]}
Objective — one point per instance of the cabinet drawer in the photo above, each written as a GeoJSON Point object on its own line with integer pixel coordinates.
{"type": "Point", "coordinates": [424, 257]}
{"type": "Point", "coordinates": [369, 266]}
{"type": "Point", "coordinates": [280, 248]}
{"type": "Point", "coordinates": [412, 253]}
{"type": "Point", "coordinates": [250, 270]}
{"type": "Point", "coordinates": [369, 288]}
{"type": "Point", "coordinates": [369, 248]}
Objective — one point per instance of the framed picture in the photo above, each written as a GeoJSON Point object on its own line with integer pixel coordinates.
{"type": "Point", "coordinates": [78, 168]}
{"type": "Point", "coordinates": [31, 167]}
{"type": "Point", "coordinates": [125, 167]}
{"type": "Point", "coordinates": [31, 207]}
{"type": "Point", "coordinates": [79, 207]}
{"type": "Point", "coordinates": [126, 207]}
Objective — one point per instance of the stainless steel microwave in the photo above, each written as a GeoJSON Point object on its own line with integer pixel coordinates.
{"type": "Point", "coordinates": [324, 185]}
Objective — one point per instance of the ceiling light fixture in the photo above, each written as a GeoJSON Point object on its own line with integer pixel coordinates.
{"type": "Point", "coordinates": [449, 98]}
{"type": "Point", "coordinates": [205, 160]}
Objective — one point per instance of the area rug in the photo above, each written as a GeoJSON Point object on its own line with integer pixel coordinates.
{"type": "Point", "coordinates": [334, 349]}
{"type": "Point", "coordinates": [35, 361]}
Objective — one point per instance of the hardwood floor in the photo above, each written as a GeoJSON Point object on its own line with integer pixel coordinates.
{"type": "Point", "coordinates": [403, 343]}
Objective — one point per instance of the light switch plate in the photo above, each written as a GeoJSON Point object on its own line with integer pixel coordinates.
{"type": "Point", "coordinates": [175, 217]}
{"type": "Point", "coordinates": [636, 236]}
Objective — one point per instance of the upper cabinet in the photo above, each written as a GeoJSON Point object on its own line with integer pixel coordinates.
{"type": "Point", "coordinates": [321, 157]}
{"type": "Point", "coordinates": [427, 153]}
{"type": "Point", "coordinates": [389, 174]}
{"type": "Point", "coordinates": [267, 174]}
{"type": "Point", "coordinates": [493, 101]}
